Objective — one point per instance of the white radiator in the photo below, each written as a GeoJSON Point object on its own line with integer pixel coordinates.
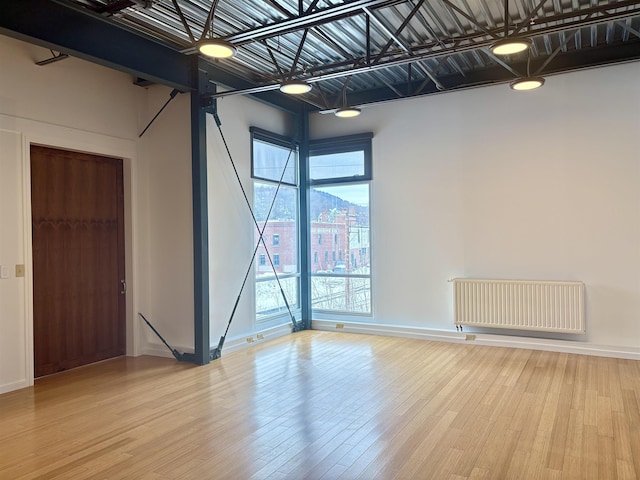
{"type": "Point", "coordinates": [519, 304]}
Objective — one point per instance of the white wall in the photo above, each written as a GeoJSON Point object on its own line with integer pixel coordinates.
{"type": "Point", "coordinates": [14, 363]}
{"type": "Point", "coordinates": [79, 106]}
{"type": "Point", "coordinates": [166, 249]}
{"type": "Point", "coordinates": [556, 199]}
{"type": "Point", "coordinates": [231, 229]}
{"type": "Point", "coordinates": [501, 184]}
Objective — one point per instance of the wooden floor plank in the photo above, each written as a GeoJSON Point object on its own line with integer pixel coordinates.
{"type": "Point", "coordinates": [324, 405]}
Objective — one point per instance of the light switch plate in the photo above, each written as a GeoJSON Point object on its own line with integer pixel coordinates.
{"type": "Point", "coordinates": [4, 271]}
{"type": "Point", "coordinates": [19, 270]}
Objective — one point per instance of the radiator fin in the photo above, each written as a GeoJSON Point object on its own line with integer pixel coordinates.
{"type": "Point", "coordinates": [550, 306]}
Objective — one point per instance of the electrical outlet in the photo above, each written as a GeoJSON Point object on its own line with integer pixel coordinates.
{"type": "Point", "coordinates": [469, 338]}
{"type": "Point", "coordinates": [260, 336]}
{"type": "Point", "coordinates": [339, 325]}
{"type": "Point", "coordinates": [19, 270]}
{"type": "Point", "coordinates": [249, 339]}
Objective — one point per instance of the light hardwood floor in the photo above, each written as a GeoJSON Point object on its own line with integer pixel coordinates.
{"type": "Point", "coordinates": [332, 406]}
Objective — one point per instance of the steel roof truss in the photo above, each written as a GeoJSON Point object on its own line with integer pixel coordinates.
{"type": "Point", "coordinates": [472, 20]}
{"type": "Point", "coordinates": [544, 26]}
{"type": "Point", "coordinates": [487, 14]}
{"type": "Point", "coordinates": [429, 78]}
{"type": "Point", "coordinates": [394, 35]}
{"type": "Point", "coordinates": [430, 75]}
{"type": "Point", "coordinates": [501, 62]}
{"type": "Point", "coordinates": [319, 17]}
{"type": "Point", "coordinates": [432, 51]}
{"type": "Point", "coordinates": [297, 57]}
{"type": "Point", "coordinates": [388, 32]}
{"type": "Point", "coordinates": [560, 48]}
{"type": "Point", "coordinates": [390, 85]}
{"type": "Point", "coordinates": [626, 26]}
{"type": "Point", "coordinates": [527, 21]}
{"type": "Point", "coordinates": [312, 6]}
{"type": "Point", "coordinates": [209, 22]}
{"type": "Point", "coordinates": [315, 31]}
{"type": "Point", "coordinates": [455, 19]}
{"type": "Point", "coordinates": [184, 21]}
{"type": "Point", "coordinates": [273, 58]}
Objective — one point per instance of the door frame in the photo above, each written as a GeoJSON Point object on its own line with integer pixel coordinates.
{"type": "Point", "coordinates": [95, 144]}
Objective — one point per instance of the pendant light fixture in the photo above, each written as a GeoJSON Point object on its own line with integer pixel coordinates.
{"type": "Point", "coordinates": [509, 46]}
{"type": "Point", "coordinates": [530, 82]}
{"type": "Point", "coordinates": [527, 83]}
{"type": "Point", "coordinates": [295, 87]}
{"type": "Point", "coordinates": [217, 48]}
{"type": "Point", "coordinates": [213, 47]}
{"type": "Point", "coordinates": [346, 111]}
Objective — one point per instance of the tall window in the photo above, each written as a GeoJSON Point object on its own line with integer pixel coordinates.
{"type": "Point", "coordinates": [275, 203]}
{"type": "Point", "coordinates": [340, 174]}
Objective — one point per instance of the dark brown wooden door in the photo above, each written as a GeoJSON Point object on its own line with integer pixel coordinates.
{"type": "Point", "coordinates": [77, 203]}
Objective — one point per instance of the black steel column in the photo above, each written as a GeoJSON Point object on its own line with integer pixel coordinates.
{"type": "Point", "coordinates": [301, 122]}
{"type": "Point", "coordinates": [200, 223]}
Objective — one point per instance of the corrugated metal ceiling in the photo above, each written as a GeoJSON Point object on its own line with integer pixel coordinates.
{"type": "Point", "coordinates": [387, 49]}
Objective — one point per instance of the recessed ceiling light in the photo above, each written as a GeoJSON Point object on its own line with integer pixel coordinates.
{"type": "Point", "coordinates": [217, 48]}
{"type": "Point", "coordinates": [527, 83]}
{"type": "Point", "coordinates": [509, 46]}
{"type": "Point", "coordinates": [295, 87]}
{"type": "Point", "coordinates": [347, 112]}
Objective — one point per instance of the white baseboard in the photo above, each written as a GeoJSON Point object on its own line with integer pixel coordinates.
{"type": "Point", "coordinates": [9, 387]}
{"type": "Point", "coordinates": [233, 344]}
{"type": "Point", "coordinates": [565, 346]}
{"type": "Point", "coordinates": [160, 350]}
{"type": "Point", "coordinates": [249, 340]}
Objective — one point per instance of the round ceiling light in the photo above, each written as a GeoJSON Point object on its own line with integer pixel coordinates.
{"type": "Point", "coordinates": [527, 83]}
{"type": "Point", "coordinates": [295, 87]}
{"type": "Point", "coordinates": [217, 48]}
{"type": "Point", "coordinates": [347, 112]}
{"type": "Point", "coordinates": [509, 46]}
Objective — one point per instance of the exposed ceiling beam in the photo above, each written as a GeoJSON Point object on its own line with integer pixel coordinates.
{"type": "Point", "coordinates": [467, 43]}
{"type": "Point", "coordinates": [308, 20]}
{"type": "Point", "coordinates": [394, 36]}
{"type": "Point", "coordinates": [592, 16]}
{"type": "Point", "coordinates": [571, 61]}
{"type": "Point", "coordinates": [79, 33]}
{"type": "Point", "coordinates": [575, 60]}
{"type": "Point", "coordinates": [544, 25]}
{"type": "Point", "coordinates": [115, 7]}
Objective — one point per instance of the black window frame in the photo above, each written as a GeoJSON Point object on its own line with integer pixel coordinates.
{"type": "Point", "coordinates": [336, 145]}
{"type": "Point", "coordinates": [281, 141]}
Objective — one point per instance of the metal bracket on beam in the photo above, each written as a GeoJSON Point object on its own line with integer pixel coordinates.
{"type": "Point", "coordinates": [207, 89]}
{"type": "Point", "coordinates": [209, 104]}
{"type": "Point", "coordinates": [54, 58]}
